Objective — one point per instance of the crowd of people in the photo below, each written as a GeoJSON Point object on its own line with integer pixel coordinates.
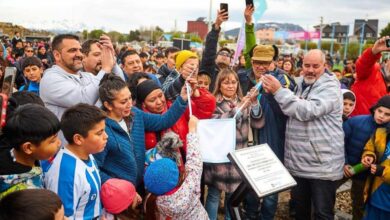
{"type": "Point", "coordinates": [98, 132]}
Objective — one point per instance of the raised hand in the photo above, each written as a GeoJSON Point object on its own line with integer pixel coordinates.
{"type": "Point", "coordinates": [248, 13]}
{"type": "Point", "coordinates": [221, 17]}
{"type": "Point", "coordinates": [380, 45]}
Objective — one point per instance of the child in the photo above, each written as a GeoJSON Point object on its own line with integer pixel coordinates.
{"type": "Point", "coordinates": [73, 173]}
{"type": "Point", "coordinates": [349, 101]}
{"type": "Point", "coordinates": [32, 70]}
{"type": "Point", "coordinates": [31, 204]}
{"type": "Point", "coordinates": [376, 157]}
{"type": "Point", "coordinates": [30, 135]}
{"type": "Point", "coordinates": [358, 131]}
{"type": "Point", "coordinates": [178, 195]}
{"type": "Point", "coordinates": [204, 80]}
{"type": "Point", "coordinates": [120, 200]}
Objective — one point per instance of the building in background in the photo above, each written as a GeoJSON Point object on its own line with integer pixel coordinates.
{"type": "Point", "coordinates": [198, 27]}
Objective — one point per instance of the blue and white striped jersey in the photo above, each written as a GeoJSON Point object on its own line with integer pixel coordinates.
{"type": "Point", "coordinates": [77, 182]}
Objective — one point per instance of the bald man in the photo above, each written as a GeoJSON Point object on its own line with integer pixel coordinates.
{"type": "Point", "coordinates": [314, 147]}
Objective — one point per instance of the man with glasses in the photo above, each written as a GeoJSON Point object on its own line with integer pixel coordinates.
{"type": "Point", "coordinates": [258, 62]}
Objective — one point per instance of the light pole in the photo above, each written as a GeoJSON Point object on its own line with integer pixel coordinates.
{"type": "Point", "coordinates": [210, 10]}
{"type": "Point", "coordinates": [362, 38]}
{"type": "Point", "coordinates": [319, 41]}
{"type": "Point", "coordinates": [331, 43]}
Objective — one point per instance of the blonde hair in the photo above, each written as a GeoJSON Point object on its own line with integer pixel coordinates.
{"type": "Point", "coordinates": [222, 75]}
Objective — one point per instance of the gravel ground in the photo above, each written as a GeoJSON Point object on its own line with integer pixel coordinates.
{"type": "Point", "coordinates": [343, 203]}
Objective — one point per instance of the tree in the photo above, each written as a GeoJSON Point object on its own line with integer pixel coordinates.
{"type": "Point", "coordinates": [196, 38]}
{"type": "Point", "coordinates": [134, 36]}
{"type": "Point", "coordinates": [353, 50]}
{"type": "Point", "coordinates": [325, 45]}
{"type": "Point", "coordinates": [85, 34]}
{"type": "Point", "coordinates": [95, 34]}
{"type": "Point", "coordinates": [114, 35]}
{"type": "Point", "coordinates": [310, 45]}
{"type": "Point", "coordinates": [386, 31]}
{"type": "Point", "coordinates": [222, 43]}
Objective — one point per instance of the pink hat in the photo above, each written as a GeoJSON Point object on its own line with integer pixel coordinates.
{"type": "Point", "coordinates": [117, 195]}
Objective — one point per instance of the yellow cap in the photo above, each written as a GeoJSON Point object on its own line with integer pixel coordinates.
{"type": "Point", "coordinates": [183, 56]}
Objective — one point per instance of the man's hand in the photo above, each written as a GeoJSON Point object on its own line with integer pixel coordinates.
{"type": "Point", "coordinates": [347, 172]}
{"type": "Point", "coordinates": [108, 61]}
{"type": "Point", "coordinates": [271, 84]}
{"type": "Point", "coordinates": [367, 161]}
{"type": "Point", "coordinates": [105, 41]}
{"type": "Point", "coordinates": [221, 17]}
{"type": "Point", "coordinates": [249, 9]}
{"type": "Point", "coordinates": [380, 45]}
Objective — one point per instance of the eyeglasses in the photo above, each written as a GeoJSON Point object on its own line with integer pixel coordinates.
{"type": "Point", "coordinates": [226, 83]}
{"type": "Point", "coordinates": [29, 51]}
{"type": "Point", "coordinates": [261, 63]}
{"type": "Point", "coordinates": [225, 54]}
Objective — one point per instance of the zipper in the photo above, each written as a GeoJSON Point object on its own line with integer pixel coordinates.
{"type": "Point", "coordinates": [316, 152]}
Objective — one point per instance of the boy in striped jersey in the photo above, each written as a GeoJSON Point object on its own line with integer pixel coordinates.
{"type": "Point", "coordinates": [73, 173]}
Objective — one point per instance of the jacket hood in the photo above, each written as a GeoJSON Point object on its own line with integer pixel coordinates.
{"type": "Point", "coordinates": [347, 91]}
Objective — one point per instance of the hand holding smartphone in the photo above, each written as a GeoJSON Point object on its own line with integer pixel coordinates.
{"type": "Point", "coordinates": [224, 7]}
{"type": "Point", "coordinates": [249, 2]}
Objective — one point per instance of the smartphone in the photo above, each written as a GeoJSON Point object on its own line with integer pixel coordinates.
{"type": "Point", "coordinates": [224, 7]}
{"type": "Point", "coordinates": [9, 81]}
{"type": "Point", "coordinates": [249, 2]}
{"type": "Point", "coordinates": [388, 43]}
{"type": "Point", "coordinates": [3, 109]}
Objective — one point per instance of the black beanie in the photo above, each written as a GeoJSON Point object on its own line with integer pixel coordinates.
{"type": "Point", "coordinates": [382, 102]}
{"type": "Point", "coordinates": [144, 89]}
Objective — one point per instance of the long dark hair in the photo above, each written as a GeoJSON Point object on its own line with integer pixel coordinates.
{"type": "Point", "coordinates": [109, 86]}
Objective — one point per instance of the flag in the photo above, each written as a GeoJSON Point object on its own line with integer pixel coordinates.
{"type": "Point", "coordinates": [240, 45]}
{"type": "Point", "coordinates": [260, 7]}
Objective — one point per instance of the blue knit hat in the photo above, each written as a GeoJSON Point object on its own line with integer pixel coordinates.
{"type": "Point", "coordinates": [161, 176]}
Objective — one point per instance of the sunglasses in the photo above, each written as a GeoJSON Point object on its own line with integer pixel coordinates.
{"type": "Point", "coordinates": [226, 54]}
{"type": "Point", "coordinates": [29, 51]}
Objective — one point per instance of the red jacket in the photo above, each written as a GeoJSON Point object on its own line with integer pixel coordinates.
{"type": "Point", "coordinates": [369, 85]}
{"type": "Point", "coordinates": [202, 107]}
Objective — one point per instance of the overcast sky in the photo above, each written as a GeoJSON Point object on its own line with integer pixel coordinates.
{"type": "Point", "coordinates": [125, 15]}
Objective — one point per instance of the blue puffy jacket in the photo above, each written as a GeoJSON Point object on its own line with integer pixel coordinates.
{"type": "Point", "coordinates": [358, 131]}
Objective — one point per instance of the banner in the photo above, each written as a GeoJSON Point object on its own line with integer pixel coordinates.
{"type": "Point", "coordinates": [217, 138]}
{"type": "Point", "coordinates": [297, 35]}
